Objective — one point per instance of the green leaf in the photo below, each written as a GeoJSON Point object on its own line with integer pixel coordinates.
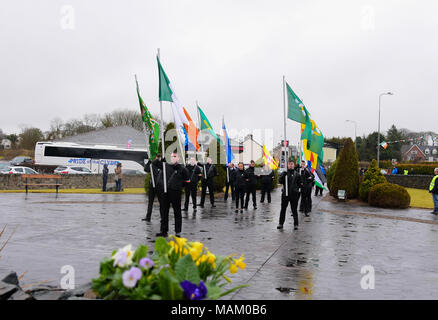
{"type": "Point", "coordinates": [185, 269]}
{"type": "Point", "coordinates": [161, 246]}
{"type": "Point", "coordinates": [233, 289]}
{"type": "Point", "coordinates": [141, 252]}
{"type": "Point", "coordinates": [213, 291]}
{"type": "Point", "coordinates": [169, 286]}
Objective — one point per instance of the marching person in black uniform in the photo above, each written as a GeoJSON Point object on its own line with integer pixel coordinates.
{"type": "Point", "coordinates": [307, 180]}
{"type": "Point", "coordinates": [154, 167]}
{"type": "Point", "coordinates": [176, 176]}
{"type": "Point", "coordinates": [208, 174]}
{"type": "Point", "coordinates": [229, 182]}
{"type": "Point", "coordinates": [191, 188]}
{"type": "Point", "coordinates": [251, 185]}
{"type": "Point", "coordinates": [267, 177]}
{"type": "Point", "coordinates": [241, 178]}
{"type": "Point", "coordinates": [292, 184]}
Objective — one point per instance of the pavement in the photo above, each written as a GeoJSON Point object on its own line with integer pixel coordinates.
{"type": "Point", "coordinates": [321, 260]}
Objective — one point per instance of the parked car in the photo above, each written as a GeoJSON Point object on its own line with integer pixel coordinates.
{"type": "Point", "coordinates": [20, 170]}
{"type": "Point", "coordinates": [72, 170]}
{"type": "Point", "coordinates": [4, 167]}
{"type": "Point", "coordinates": [19, 161]}
{"type": "Point", "coordinates": [132, 172]}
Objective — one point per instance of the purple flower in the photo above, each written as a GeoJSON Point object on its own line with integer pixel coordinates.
{"type": "Point", "coordinates": [146, 263]}
{"type": "Point", "coordinates": [131, 276]}
{"type": "Point", "coordinates": [192, 291]}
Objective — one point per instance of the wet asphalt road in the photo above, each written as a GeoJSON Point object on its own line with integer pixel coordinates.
{"type": "Point", "coordinates": [321, 260]}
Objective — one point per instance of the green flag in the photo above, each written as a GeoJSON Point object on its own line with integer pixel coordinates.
{"type": "Point", "coordinates": [205, 125]}
{"type": "Point", "coordinates": [296, 109]}
{"type": "Point", "coordinates": [317, 143]}
{"type": "Point", "coordinates": [164, 92]}
{"type": "Point", "coordinates": [152, 126]}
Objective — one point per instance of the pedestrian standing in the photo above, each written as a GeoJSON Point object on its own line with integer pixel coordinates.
{"type": "Point", "coordinates": [267, 178]}
{"type": "Point", "coordinates": [291, 181]}
{"type": "Point", "coordinates": [105, 172]}
{"type": "Point", "coordinates": [307, 180]}
{"type": "Point", "coordinates": [229, 182]}
{"type": "Point", "coordinates": [241, 178]}
{"type": "Point", "coordinates": [154, 170]}
{"type": "Point", "coordinates": [251, 185]}
{"type": "Point", "coordinates": [118, 177]}
{"type": "Point", "coordinates": [191, 187]}
{"type": "Point", "coordinates": [433, 188]}
{"type": "Point", "coordinates": [208, 174]}
{"type": "Point", "coordinates": [176, 176]}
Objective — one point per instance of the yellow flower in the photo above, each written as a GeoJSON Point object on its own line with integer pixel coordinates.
{"type": "Point", "coordinates": [185, 251]}
{"type": "Point", "coordinates": [226, 278]}
{"type": "Point", "coordinates": [180, 241]}
{"type": "Point", "coordinates": [233, 268]}
{"type": "Point", "coordinates": [197, 245]}
{"type": "Point", "coordinates": [211, 258]}
{"type": "Point", "coordinates": [195, 253]}
{"type": "Point", "coordinates": [239, 262]}
{"type": "Point", "coordinates": [203, 258]}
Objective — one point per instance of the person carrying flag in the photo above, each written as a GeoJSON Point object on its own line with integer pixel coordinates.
{"type": "Point", "coordinates": [291, 181]}
{"type": "Point", "coordinates": [251, 185]}
{"type": "Point", "coordinates": [229, 182]}
{"type": "Point", "coordinates": [153, 169]}
{"type": "Point", "coordinates": [241, 179]}
{"type": "Point", "coordinates": [307, 180]}
{"type": "Point", "coordinates": [209, 172]}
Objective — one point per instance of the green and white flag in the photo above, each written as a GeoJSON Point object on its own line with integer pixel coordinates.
{"type": "Point", "coordinates": [296, 109]}
{"type": "Point", "coordinates": [205, 125]}
{"type": "Point", "coordinates": [152, 126]}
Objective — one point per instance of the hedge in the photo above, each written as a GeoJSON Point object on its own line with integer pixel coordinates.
{"type": "Point", "coordinates": [388, 195]}
{"type": "Point", "coordinates": [371, 177]}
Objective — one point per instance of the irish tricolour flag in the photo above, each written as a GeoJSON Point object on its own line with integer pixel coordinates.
{"type": "Point", "coordinates": [183, 123]}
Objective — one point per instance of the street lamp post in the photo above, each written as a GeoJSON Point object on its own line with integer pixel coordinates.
{"type": "Point", "coordinates": [378, 130]}
{"type": "Point", "coordinates": [355, 129]}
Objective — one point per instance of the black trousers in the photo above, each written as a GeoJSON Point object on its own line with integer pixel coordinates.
{"type": "Point", "coordinates": [210, 185]}
{"type": "Point", "coordinates": [292, 199]}
{"type": "Point", "coordinates": [318, 190]}
{"type": "Point", "coordinates": [190, 190]}
{"type": "Point", "coordinates": [266, 188]}
{"type": "Point", "coordinates": [173, 198]}
{"type": "Point", "coordinates": [151, 197]}
{"type": "Point", "coordinates": [306, 200]}
{"type": "Point", "coordinates": [251, 189]}
{"type": "Point", "coordinates": [229, 185]}
{"type": "Point", "coordinates": [239, 195]}
{"type": "Point", "coordinates": [104, 180]}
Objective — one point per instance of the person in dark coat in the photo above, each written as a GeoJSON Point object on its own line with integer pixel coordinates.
{"type": "Point", "coordinates": [153, 168]}
{"type": "Point", "coordinates": [191, 187]}
{"type": "Point", "coordinates": [251, 185]}
{"type": "Point", "coordinates": [176, 176]}
{"type": "Point", "coordinates": [241, 178]}
{"type": "Point", "coordinates": [291, 181]}
{"type": "Point", "coordinates": [229, 182]}
{"type": "Point", "coordinates": [104, 176]}
{"type": "Point", "coordinates": [208, 174]}
{"type": "Point", "coordinates": [266, 177]}
{"type": "Point", "coordinates": [307, 180]}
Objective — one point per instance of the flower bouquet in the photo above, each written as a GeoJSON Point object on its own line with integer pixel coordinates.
{"type": "Point", "coordinates": [177, 269]}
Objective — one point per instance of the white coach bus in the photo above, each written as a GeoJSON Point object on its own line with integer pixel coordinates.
{"type": "Point", "coordinates": [92, 157]}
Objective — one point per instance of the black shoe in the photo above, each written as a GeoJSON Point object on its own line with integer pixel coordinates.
{"type": "Point", "coordinates": [255, 208]}
{"type": "Point", "coordinates": [213, 206]}
{"type": "Point", "coordinates": [161, 234]}
{"type": "Point", "coordinates": [306, 214]}
{"type": "Point", "coordinates": [201, 206]}
{"type": "Point", "coordinates": [241, 210]}
{"type": "Point", "coordinates": [185, 209]}
{"type": "Point", "coordinates": [178, 234]}
{"type": "Point", "coordinates": [434, 212]}
{"type": "Point", "coordinates": [280, 226]}
{"type": "Point", "coordinates": [295, 227]}
{"type": "Point", "coordinates": [261, 201]}
{"type": "Point", "coordinates": [236, 211]}
{"type": "Point", "coordinates": [146, 219]}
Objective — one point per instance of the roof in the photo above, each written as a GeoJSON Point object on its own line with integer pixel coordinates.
{"type": "Point", "coordinates": [114, 136]}
{"type": "Point", "coordinates": [407, 147]}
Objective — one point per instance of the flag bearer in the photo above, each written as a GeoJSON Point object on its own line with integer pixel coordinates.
{"type": "Point", "coordinates": [251, 185]}
{"type": "Point", "coordinates": [229, 183]}
{"type": "Point", "coordinates": [176, 176]}
{"type": "Point", "coordinates": [209, 172]}
{"type": "Point", "coordinates": [153, 168]}
{"type": "Point", "coordinates": [307, 180]}
{"type": "Point", "coordinates": [291, 181]}
{"type": "Point", "coordinates": [240, 183]}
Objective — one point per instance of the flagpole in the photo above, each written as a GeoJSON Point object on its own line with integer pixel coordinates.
{"type": "Point", "coordinates": [147, 139]}
{"type": "Point", "coordinates": [202, 145]}
{"type": "Point", "coordinates": [226, 151]}
{"type": "Point", "coordinates": [162, 138]}
{"type": "Point", "coordinates": [287, 149]}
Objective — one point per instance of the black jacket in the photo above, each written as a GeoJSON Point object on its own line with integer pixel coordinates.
{"type": "Point", "coordinates": [105, 172]}
{"type": "Point", "coordinates": [252, 178]}
{"type": "Point", "coordinates": [155, 168]}
{"type": "Point", "coordinates": [176, 176]}
{"type": "Point", "coordinates": [307, 178]}
{"type": "Point", "coordinates": [267, 178]}
{"type": "Point", "coordinates": [294, 182]}
{"type": "Point", "coordinates": [241, 177]}
{"type": "Point", "coordinates": [193, 172]}
{"type": "Point", "coordinates": [210, 170]}
{"type": "Point", "coordinates": [231, 174]}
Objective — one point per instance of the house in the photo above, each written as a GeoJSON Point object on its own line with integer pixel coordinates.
{"type": "Point", "coordinates": [6, 144]}
{"type": "Point", "coordinates": [419, 153]}
{"type": "Point", "coordinates": [330, 153]}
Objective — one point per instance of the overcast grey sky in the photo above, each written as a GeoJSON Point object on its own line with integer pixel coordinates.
{"type": "Point", "coordinates": [338, 56]}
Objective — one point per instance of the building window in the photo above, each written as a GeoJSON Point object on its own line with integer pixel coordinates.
{"type": "Point", "coordinates": [434, 151]}
{"type": "Point", "coordinates": [427, 151]}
